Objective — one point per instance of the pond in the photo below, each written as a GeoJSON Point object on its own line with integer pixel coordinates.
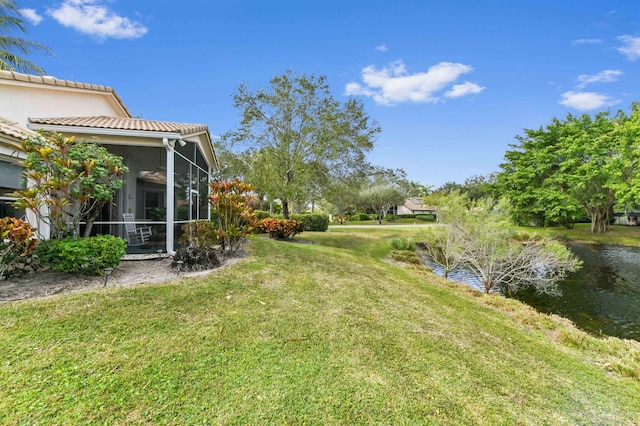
{"type": "Point", "coordinates": [601, 298]}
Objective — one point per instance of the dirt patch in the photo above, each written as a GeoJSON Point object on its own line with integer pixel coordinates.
{"type": "Point", "coordinates": [128, 273]}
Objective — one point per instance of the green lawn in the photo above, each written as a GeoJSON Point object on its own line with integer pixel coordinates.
{"type": "Point", "coordinates": [617, 234]}
{"type": "Point", "coordinates": [322, 333]}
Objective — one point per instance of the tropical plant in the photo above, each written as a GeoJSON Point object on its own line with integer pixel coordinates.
{"type": "Point", "coordinates": [69, 181]}
{"type": "Point", "coordinates": [11, 47]}
{"type": "Point", "coordinates": [17, 243]}
{"type": "Point", "coordinates": [236, 219]}
{"type": "Point", "coordinates": [281, 229]}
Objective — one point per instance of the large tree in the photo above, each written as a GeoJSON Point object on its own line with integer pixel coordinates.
{"type": "Point", "coordinates": [580, 163]}
{"type": "Point", "coordinates": [13, 48]}
{"type": "Point", "coordinates": [296, 132]}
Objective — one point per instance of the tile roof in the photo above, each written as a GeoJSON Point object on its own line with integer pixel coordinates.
{"type": "Point", "coordinates": [56, 82]}
{"type": "Point", "coordinates": [12, 129]}
{"type": "Point", "coordinates": [119, 123]}
{"type": "Point", "coordinates": [415, 203]}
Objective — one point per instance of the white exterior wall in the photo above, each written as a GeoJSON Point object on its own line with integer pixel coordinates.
{"type": "Point", "coordinates": [20, 102]}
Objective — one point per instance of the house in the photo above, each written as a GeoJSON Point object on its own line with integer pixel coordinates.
{"type": "Point", "coordinates": [414, 205]}
{"type": "Point", "coordinates": [170, 164]}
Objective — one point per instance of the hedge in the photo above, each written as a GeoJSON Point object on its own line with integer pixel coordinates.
{"type": "Point", "coordinates": [313, 221]}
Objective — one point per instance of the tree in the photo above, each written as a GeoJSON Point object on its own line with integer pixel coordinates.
{"type": "Point", "coordinates": [579, 163]}
{"type": "Point", "coordinates": [381, 198]}
{"type": "Point", "coordinates": [479, 240]}
{"type": "Point", "coordinates": [295, 131]}
{"type": "Point", "coordinates": [440, 243]}
{"type": "Point", "coordinates": [69, 181]}
{"type": "Point", "coordinates": [11, 47]}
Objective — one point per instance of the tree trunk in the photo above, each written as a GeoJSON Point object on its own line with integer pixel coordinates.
{"type": "Point", "coordinates": [600, 217]}
{"type": "Point", "coordinates": [90, 220]}
{"type": "Point", "coordinates": [285, 209]}
{"type": "Point", "coordinates": [488, 283]}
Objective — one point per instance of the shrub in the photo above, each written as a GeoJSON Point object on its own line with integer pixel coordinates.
{"type": "Point", "coordinates": [361, 217]}
{"type": "Point", "coordinates": [195, 259]}
{"type": "Point", "coordinates": [17, 244]}
{"type": "Point", "coordinates": [426, 217]}
{"type": "Point", "coordinates": [236, 219]}
{"type": "Point", "coordinates": [262, 214]}
{"type": "Point", "coordinates": [406, 257]}
{"type": "Point", "coordinates": [199, 234]}
{"type": "Point", "coordinates": [84, 256]}
{"type": "Point", "coordinates": [313, 222]}
{"type": "Point", "coordinates": [403, 243]}
{"type": "Point", "coordinates": [391, 217]}
{"type": "Point", "coordinates": [281, 229]}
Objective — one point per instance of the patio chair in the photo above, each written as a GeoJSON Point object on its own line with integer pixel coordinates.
{"type": "Point", "coordinates": [136, 235]}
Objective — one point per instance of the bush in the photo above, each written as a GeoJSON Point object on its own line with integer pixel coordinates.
{"type": "Point", "coordinates": [195, 259]}
{"type": "Point", "coordinates": [17, 245]}
{"type": "Point", "coordinates": [426, 217]}
{"type": "Point", "coordinates": [236, 220]}
{"type": "Point", "coordinates": [281, 229]}
{"type": "Point", "coordinates": [84, 256]}
{"type": "Point", "coordinates": [199, 234]}
{"type": "Point", "coordinates": [403, 244]}
{"type": "Point", "coordinates": [361, 217]}
{"type": "Point", "coordinates": [313, 222]}
{"type": "Point", "coordinates": [262, 214]}
{"type": "Point", "coordinates": [391, 217]}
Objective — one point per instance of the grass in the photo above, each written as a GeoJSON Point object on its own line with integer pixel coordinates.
{"type": "Point", "coordinates": [322, 333]}
{"type": "Point", "coordinates": [617, 234]}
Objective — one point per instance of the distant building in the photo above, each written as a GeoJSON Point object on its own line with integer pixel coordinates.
{"type": "Point", "coordinates": [414, 205]}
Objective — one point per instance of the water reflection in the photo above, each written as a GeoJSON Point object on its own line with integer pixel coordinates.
{"type": "Point", "coordinates": [602, 298]}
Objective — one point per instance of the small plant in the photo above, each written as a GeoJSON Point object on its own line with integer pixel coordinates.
{"type": "Point", "coordinates": [195, 259]}
{"type": "Point", "coordinates": [17, 244]}
{"type": "Point", "coordinates": [403, 243]}
{"type": "Point", "coordinates": [84, 256]}
{"type": "Point", "coordinates": [199, 234]}
{"type": "Point", "coordinates": [281, 229]}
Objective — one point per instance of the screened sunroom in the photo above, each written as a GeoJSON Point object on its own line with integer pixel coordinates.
{"type": "Point", "coordinates": [170, 166]}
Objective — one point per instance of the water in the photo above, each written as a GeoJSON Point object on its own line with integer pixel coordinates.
{"type": "Point", "coordinates": [602, 298]}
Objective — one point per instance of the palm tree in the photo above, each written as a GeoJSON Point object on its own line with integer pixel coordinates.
{"type": "Point", "coordinates": [11, 47]}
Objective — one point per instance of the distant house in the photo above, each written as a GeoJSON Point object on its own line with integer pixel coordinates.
{"type": "Point", "coordinates": [170, 164]}
{"type": "Point", "coordinates": [415, 205]}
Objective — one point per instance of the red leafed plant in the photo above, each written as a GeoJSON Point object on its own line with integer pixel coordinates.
{"type": "Point", "coordinates": [236, 219]}
{"type": "Point", "coordinates": [281, 229]}
{"type": "Point", "coordinates": [17, 242]}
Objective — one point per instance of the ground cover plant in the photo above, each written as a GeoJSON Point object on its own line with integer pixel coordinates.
{"type": "Point", "coordinates": [322, 333]}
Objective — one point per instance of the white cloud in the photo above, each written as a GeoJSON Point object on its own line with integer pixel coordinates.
{"type": "Point", "coordinates": [31, 15]}
{"type": "Point", "coordinates": [382, 48]}
{"type": "Point", "coordinates": [90, 17]}
{"type": "Point", "coordinates": [606, 76]}
{"type": "Point", "coordinates": [631, 48]}
{"type": "Point", "coordinates": [466, 88]}
{"type": "Point", "coordinates": [586, 41]}
{"type": "Point", "coordinates": [585, 101]}
{"type": "Point", "coordinates": [393, 84]}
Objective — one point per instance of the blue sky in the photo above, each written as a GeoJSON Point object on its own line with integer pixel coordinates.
{"type": "Point", "coordinates": [450, 82]}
